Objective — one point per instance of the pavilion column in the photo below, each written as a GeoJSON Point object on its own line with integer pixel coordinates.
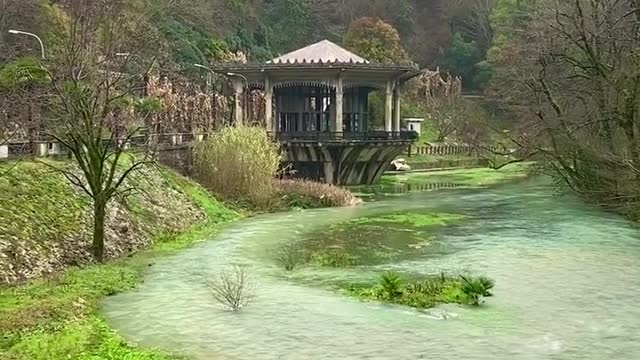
{"type": "Point", "coordinates": [396, 109]}
{"type": "Point", "coordinates": [268, 105]}
{"type": "Point", "coordinates": [338, 126]}
{"type": "Point", "coordinates": [388, 108]}
{"type": "Point", "coordinates": [238, 88]}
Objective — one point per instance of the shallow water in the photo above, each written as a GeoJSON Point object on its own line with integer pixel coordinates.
{"type": "Point", "coordinates": [567, 285]}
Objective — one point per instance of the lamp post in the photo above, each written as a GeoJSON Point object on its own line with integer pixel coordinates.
{"type": "Point", "coordinates": [210, 71]}
{"type": "Point", "coordinates": [18, 32]}
{"type": "Point", "coordinates": [246, 95]}
{"type": "Point", "coordinates": [230, 74]}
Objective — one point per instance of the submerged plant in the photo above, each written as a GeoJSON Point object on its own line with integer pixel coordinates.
{"type": "Point", "coordinates": [391, 284]}
{"type": "Point", "coordinates": [476, 288]}
{"type": "Point", "coordinates": [288, 256]}
{"type": "Point", "coordinates": [232, 288]}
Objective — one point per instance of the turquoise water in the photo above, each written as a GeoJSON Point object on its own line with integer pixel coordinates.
{"type": "Point", "coordinates": [567, 286]}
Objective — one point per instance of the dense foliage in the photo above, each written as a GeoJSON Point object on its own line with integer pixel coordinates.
{"type": "Point", "coordinates": [376, 41]}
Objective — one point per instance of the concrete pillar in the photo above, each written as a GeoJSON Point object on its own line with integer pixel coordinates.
{"type": "Point", "coordinates": [329, 169]}
{"type": "Point", "coordinates": [338, 126]}
{"type": "Point", "coordinates": [41, 149]}
{"type": "Point", "coordinates": [238, 88]}
{"type": "Point", "coordinates": [268, 105]}
{"type": "Point", "coordinates": [4, 151]}
{"type": "Point", "coordinates": [388, 108]}
{"type": "Point", "coordinates": [396, 109]}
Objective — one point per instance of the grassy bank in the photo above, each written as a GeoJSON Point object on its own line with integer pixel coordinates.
{"type": "Point", "coordinates": [477, 177]}
{"type": "Point", "coordinates": [424, 162]}
{"type": "Point", "coordinates": [56, 317]}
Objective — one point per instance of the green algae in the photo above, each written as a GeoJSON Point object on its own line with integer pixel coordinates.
{"type": "Point", "coordinates": [411, 219]}
{"type": "Point", "coordinates": [374, 240]}
{"type": "Point", "coordinates": [443, 180]}
{"type": "Point", "coordinates": [478, 177]}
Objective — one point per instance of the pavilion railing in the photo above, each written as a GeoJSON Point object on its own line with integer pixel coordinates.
{"type": "Point", "coordinates": [354, 136]}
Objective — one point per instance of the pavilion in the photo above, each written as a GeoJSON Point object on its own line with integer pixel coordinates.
{"type": "Point", "coordinates": [317, 106]}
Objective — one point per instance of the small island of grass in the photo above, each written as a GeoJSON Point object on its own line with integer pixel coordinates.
{"type": "Point", "coordinates": [428, 292]}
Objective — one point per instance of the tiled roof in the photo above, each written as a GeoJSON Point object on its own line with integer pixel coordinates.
{"type": "Point", "coordinates": [322, 53]}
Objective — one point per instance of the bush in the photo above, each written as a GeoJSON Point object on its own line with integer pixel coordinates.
{"type": "Point", "coordinates": [309, 194]}
{"type": "Point", "coordinates": [476, 288]}
{"type": "Point", "coordinates": [239, 164]}
{"type": "Point", "coordinates": [288, 256]}
{"type": "Point", "coordinates": [232, 288]}
{"type": "Point", "coordinates": [391, 284]}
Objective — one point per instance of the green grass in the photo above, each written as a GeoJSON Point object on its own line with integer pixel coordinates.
{"type": "Point", "coordinates": [57, 317]}
{"type": "Point", "coordinates": [31, 198]}
{"type": "Point", "coordinates": [422, 293]}
{"type": "Point", "coordinates": [465, 177]}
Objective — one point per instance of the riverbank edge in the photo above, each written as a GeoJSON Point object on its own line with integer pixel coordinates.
{"type": "Point", "coordinates": [61, 317]}
{"type": "Point", "coordinates": [58, 316]}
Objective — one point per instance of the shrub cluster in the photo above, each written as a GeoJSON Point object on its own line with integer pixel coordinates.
{"type": "Point", "coordinates": [429, 292]}
{"type": "Point", "coordinates": [306, 194]}
{"type": "Point", "coordinates": [238, 164]}
{"type": "Point", "coordinates": [241, 164]}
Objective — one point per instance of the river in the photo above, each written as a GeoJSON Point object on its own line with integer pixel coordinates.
{"type": "Point", "coordinates": [567, 286]}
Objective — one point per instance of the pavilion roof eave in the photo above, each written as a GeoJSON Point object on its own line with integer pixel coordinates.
{"type": "Point", "coordinates": [255, 72]}
{"type": "Point", "coordinates": [283, 67]}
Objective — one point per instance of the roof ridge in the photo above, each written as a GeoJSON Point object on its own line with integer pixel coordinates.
{"type": "Point", "coordinates": [324, 51]}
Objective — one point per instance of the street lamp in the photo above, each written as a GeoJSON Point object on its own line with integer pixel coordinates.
{"type": "Point", "coordinates": [210, 72]}
{"type": "Point", "coordinates": [246, 81]}
{"type": "Point", "coordinates": [245, 106]}
{"type": "Point", "coordinates": [18, 32]}
{"type": "Point", "coordinates": [246, 95]}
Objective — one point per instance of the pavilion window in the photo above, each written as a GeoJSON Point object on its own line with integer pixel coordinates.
{"type": "Point", "coordinates": [304, 109]}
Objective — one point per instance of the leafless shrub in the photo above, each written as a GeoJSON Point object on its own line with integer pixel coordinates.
{"type": "Point", "coordinates": [232, 287]}
{"type": "Point", "coordinates": [307, 194]}
{"type": "Point", "coordinates": [288, 256]}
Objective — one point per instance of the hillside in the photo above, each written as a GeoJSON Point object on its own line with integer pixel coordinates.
{"type": "Point", "coordinates": [200, 31]}
{"type": "Point", "coordinates": [45, 223]}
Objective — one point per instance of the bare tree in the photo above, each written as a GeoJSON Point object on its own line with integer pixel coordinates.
{"type": "Point", "coordinates": [93, 77]}
{"type": "Point", "coordinates": [288, 256]}
{"type": "Point", "coordinates": [232, 287]}
{"type": "Point", "coordinates": [580, 98]}
{"type": "Point", "coordinates": [473, 18]}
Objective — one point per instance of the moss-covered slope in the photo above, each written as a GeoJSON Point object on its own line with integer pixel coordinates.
{"type": "Point", "coordinates": [45, 223]}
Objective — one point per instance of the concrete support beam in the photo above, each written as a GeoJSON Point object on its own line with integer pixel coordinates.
{"type": "Point", "coordinates": [238, 88]}
{"type": "Point", "coordinates": [337, 129]}
{"type": "Point", "coordinates": [396, 109]}
{"type": "Point", "coordinates": [388, 108]}
{"type": "Point", "coordinates": [268, 105]}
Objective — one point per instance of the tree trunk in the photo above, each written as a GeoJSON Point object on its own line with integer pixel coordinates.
{"type": "Point", "coordinates": [99, 216]}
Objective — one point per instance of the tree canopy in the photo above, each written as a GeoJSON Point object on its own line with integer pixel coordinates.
{"type": "Point", "coordinates": [376, 41]}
